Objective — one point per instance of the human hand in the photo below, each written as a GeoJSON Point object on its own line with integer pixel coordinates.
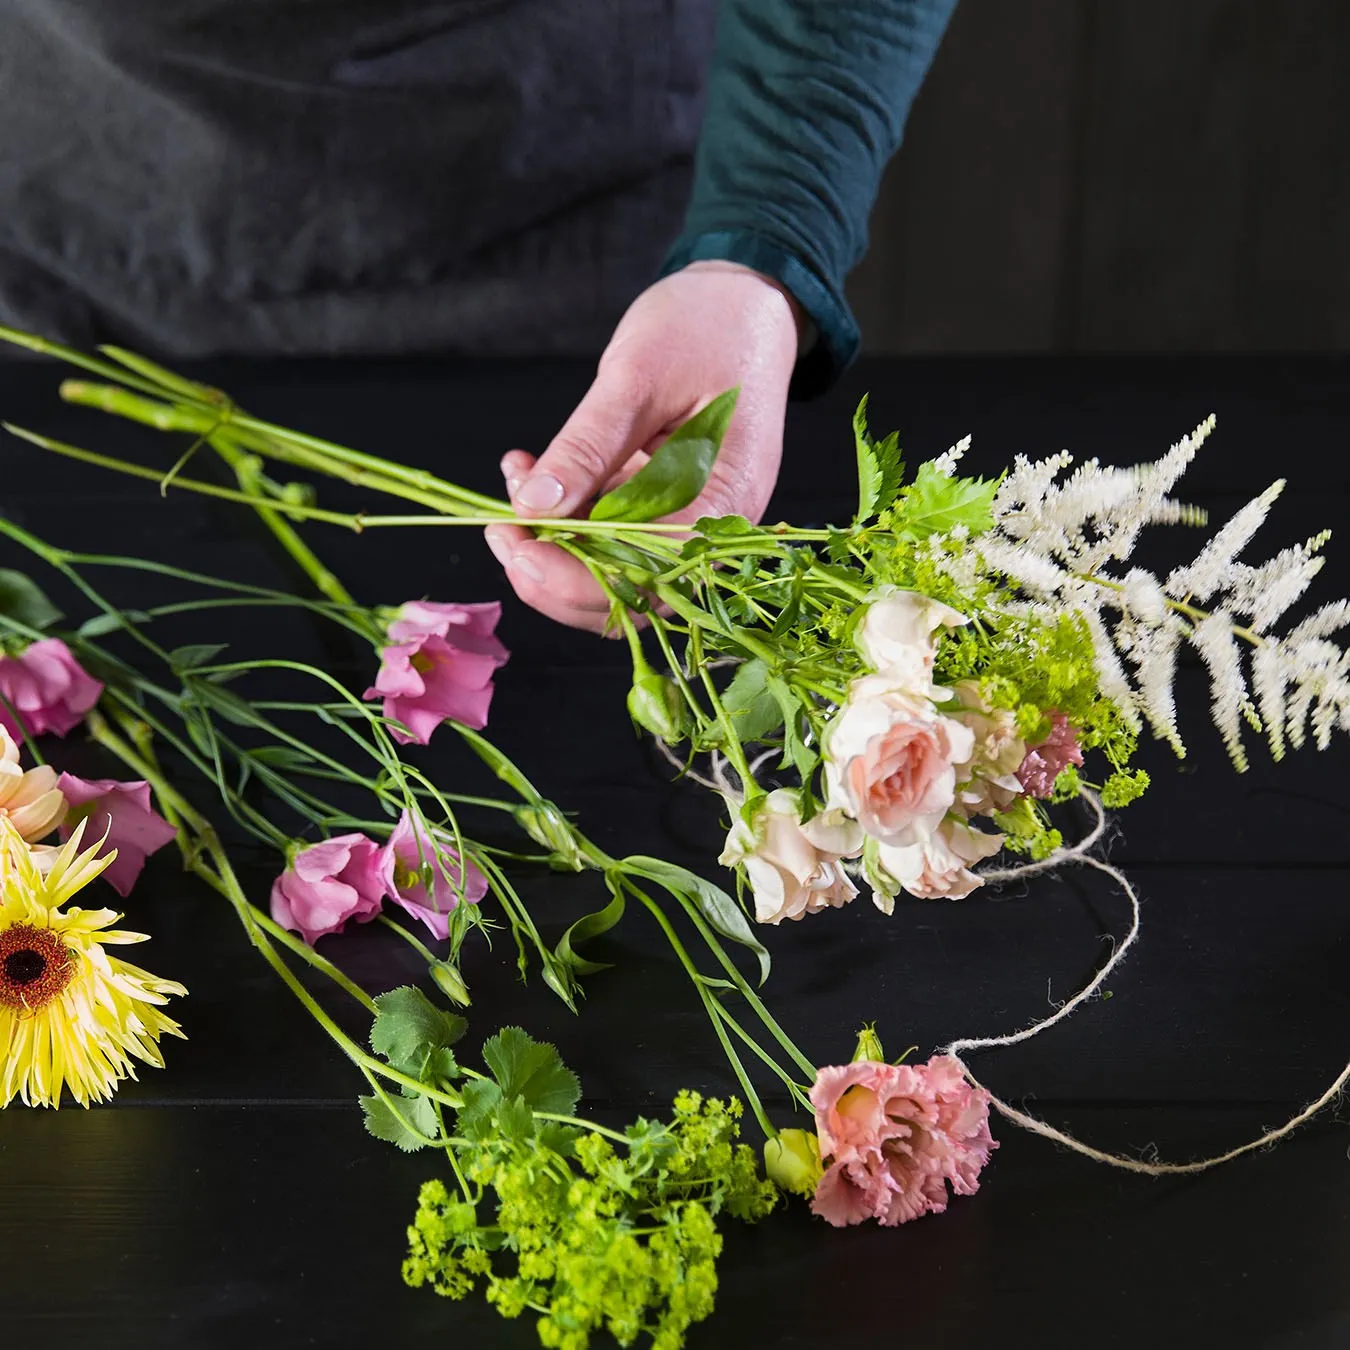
{"type": "Point", "coordinates": [682, 342]}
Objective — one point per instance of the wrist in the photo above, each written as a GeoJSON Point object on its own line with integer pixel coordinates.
{"type": "Point", "coordinates": [801, 320]}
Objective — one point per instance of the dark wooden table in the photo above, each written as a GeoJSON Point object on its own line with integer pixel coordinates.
{"type": "Point", "coordinates": [233, 1198]}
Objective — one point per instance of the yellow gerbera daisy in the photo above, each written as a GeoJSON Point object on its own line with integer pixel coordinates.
{"type": "Point", "coordinates": [71, 1015]}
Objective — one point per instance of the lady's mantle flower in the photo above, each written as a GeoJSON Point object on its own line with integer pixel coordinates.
{"type": "Point", "coordinates": [31, 801]}
{"type": "Point", "coordinates": [47, 688]}
{"type": "Point", "coordinates": [134, 829]}
{"type": "Point", "coordinates": [345, 877]}
{"type": "Point", "coordinates": [894, 1136]}
{"type": "Point", "coordinates": [438, 666]}
{"type": "Point", "coordinates": [428, 877]}
{"type": "Point", "coordinates": [890, 759]}
{"type": "Point", "coordinates": [1044, 762]}
{"type": "Point", "coordinates": [794, 869]}
{"type": "Point", "coordinates": [72, 1016]}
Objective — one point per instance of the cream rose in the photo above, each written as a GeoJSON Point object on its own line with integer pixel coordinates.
{"type": "Point", "coordinates": [890, 759]}
{"type": "Point", "coordinates": [937, 869]}
{"type": "Point", "coordinates": [794, 869]}
{"type": "Point", "coordinates": [988, 780]}
{"type": "Point", "coordinates": [896, 633]}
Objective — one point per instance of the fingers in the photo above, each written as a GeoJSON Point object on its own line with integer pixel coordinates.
{"type": "Point", "coordinates": [548, 579]}
{"type": "Point", "coordinates": [617, 417]}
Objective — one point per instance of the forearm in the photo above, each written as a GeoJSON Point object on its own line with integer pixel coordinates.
{"type": "Point", "coordinates": [807, 100]}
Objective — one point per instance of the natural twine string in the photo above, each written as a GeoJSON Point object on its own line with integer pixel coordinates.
{"type": "Point", "coordinates": [1078, 853]}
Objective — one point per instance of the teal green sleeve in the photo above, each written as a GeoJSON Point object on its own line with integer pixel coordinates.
{"type": "Point", "coordinates": [807, 100]}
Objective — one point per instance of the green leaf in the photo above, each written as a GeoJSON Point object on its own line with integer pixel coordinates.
{"type": "Point", "coordinates": [409, 1025]}
{"type": "Point", "coordinates": [102, 624]}
{"type": "Point", "coordinates": [795, 750]}
{"type": "Point", "coordinates": [195, 654]}
{"type": "Point", "coordinates": [476, 1118]}
{"type": "Point", "coordinates": [384, 1124]}
{"type": "Point", "coordinates": [936, 504]}
{"type": "Point", "coordinates": [724, 527]}
{"type": "Point", "coordinates": [880, 470]}
{"type": "Point", "coordinates": [753, 710]}
{"type": "Point", "coordinates": [721, 912]}
{"type": "Point", "coordinates": [531, 1070]}
{"type": "Point", "coordinates": [588, 927]}
{"type": "Point", "coordinates": [24, 601]}
{"type": "Point", "coordinates": [281, 756]}
{"type": "Point", "coordinates": [676, 473]}
{"type": "Point", "coordinates": [228, 704]}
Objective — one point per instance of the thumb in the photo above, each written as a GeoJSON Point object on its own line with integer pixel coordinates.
{"type": "Point", "coordinates": [616, 418]}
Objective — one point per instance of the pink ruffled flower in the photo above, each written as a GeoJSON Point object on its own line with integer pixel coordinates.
{"type": "Point", "coordinates": [428, 876]}
{"type": "Point", "coordinates": [345, 877]}
{"type": "Point", "coordinates": [135, 829]}
{"type": "Point", "coordinates": [438, 667]}
{"type": "Point", "coordinates": [895, 1136]}
{"type": "Point", "coordinates": [1043, 762]}
{"type": "Point", "coordinates": [47, 687]}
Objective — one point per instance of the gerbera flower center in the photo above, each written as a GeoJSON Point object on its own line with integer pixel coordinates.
{"type": "Point", "coordinates": [35, 967]}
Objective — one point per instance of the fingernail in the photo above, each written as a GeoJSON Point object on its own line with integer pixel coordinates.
{"type": "Point", "coordinates": [525, 566]}
{"type": "Point", "coordinates": [539, 492]}
{"type": "Point", "coordinates": [513, 482]}
{"type": "Point", "coordinates": [499, 544]}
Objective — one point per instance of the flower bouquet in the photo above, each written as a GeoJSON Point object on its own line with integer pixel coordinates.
{"type": "Point", "coordinates": [888, 703]}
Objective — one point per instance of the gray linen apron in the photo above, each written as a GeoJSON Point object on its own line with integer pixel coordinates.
{"type": "Point", "coordinates": [194, 177]}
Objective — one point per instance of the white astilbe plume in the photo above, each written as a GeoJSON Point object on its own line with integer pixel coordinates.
{"type": "Point", "coordinates": [946, 462]}
{"type": "Point", "coordinates": [1059, 542]}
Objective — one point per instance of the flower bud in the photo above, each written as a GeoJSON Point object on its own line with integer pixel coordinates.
{"type": "Point", "coordinates": [450, 982]}
{"type": "Point", "coordinates": [656, 705]}
{"type": "Point", "coordinates": [792, 1161]}
{"type": "Point", "coordinates": [869, 1046]}
{"type": "Point", "coordinates": [546, 825]}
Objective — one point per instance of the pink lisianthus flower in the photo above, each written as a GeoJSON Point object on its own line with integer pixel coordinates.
{"type": "Point", "coordinates": [438, 666]}
{"type": "Point", "coordinates": [345, 877]}
{"type": "Point", "coordinates": [47, 688]}
{"type": "Point", "coordinates": [894, 1137]}
{"type": "Point", "coordinates": [427, 876]}
{"type": "Point", "coordinates": [1044, 762]}
{"type": "Point", "coordinates": [134, 828]}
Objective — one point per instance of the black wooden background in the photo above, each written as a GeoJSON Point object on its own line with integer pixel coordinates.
{"type": "Point", "coordinates": [1121, 175]}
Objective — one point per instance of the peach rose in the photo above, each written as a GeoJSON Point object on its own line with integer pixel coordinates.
{"type": "Point", "coordinates": [936, 869]}
{"type": "Point", "coordinates": [988, 780]}
{"type": "Point", "coordinates": [794, 869]}
{"type": "Point", "coordinates": [890, 759]}
{"type": "Point", "coordinates": [896, 633]}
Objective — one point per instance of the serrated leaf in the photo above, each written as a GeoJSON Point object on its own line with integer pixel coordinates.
{"type": "Point", "coordinates": [721, 912]}
{"type": "Point", "coordinates": [531, 1070]}
{"type": "Point", "coordinates": [195, 654]}
{"type": "Point", "coordinates": [383, 1123]}
{"type": "Point", "coordinates": [24, 601]}
{"type": "Point", "coordinates": [408, 1026]}
{"type": "Point", "coordinates": [936, 504]}
{"type": "Point", "coordinates": [753, 710]}
{"type": "Point", "coordinates": [880, 470]}
{"type": "Point", "coordinates": [476, 1117]}
{"type": "Point", "coordinates": [676, 473]}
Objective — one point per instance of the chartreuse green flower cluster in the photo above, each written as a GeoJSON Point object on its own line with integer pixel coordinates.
{"type": "Point", "coordinates": [590, 1229]}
